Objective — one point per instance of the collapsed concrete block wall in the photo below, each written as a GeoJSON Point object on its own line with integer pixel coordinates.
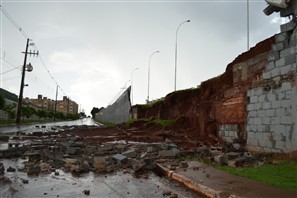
{"type": "Point", "coordinates": [271, 121]}
{"type": "Point", "coordinates": [119, 111]}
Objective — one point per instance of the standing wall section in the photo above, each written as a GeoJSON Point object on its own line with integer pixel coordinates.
{"type": "Point", "coordinates": [271, 121]}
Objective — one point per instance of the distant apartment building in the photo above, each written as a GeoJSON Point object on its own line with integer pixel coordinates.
{"type": "Point", "coordinates": [65, 106]}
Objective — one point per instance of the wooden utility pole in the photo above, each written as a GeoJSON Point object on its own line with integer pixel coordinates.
{"type": "Point", "coordinates": [56, 103]}
{"type": "Point", "coordinates": [19, 110]}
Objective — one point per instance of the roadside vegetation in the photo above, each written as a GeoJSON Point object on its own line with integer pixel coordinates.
{"type": "Point", "coordinates": [159, 122]}
{"type": "Point", "coordinates": [282, 174]}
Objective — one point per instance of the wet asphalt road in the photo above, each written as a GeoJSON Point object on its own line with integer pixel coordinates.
{"type": "Point", "coordinates": [115, 185]}
{"type": "Point", "coordinates": [26, 128]}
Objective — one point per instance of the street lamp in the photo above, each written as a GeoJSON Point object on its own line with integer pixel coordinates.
{"type": "Point", "coordinates": [148, 83]}
{"type": "Point", "coordinates": [187, 21]}
{"type": "Point", "coordinates": [132, 85]}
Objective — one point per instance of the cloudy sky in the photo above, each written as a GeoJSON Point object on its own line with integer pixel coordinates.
{"type": "Point", "coordinates": [92, 47]}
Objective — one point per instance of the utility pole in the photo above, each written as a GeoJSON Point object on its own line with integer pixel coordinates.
{"type": "Point", "coordinates": [56, 103]}
{"type": "Point", "coordinates": [19, 110]}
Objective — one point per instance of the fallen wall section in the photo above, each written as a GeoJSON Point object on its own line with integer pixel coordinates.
{"type": "Point", "coordinates": [119, 111]}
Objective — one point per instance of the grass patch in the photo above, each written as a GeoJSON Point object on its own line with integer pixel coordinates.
{"type": "Point", "coordinates": [283, 175]}
{"type": "Point", "coordinates": [110, 124]}
{"type": "Point", "coordinates": [163, 123]}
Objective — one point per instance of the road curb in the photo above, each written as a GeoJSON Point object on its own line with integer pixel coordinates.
{"type": "Point", "coordinates": [197, 187]}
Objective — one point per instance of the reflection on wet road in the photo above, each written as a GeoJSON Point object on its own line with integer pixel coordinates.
{"type": "Point", "coordinates": [28, 128]}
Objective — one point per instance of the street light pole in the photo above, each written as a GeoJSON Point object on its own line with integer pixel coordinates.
{"type": "Point", "coordinates": [187, 21]}
{"type": "Point", "coordinates": [132, 85]}
{"type": "Point", "coordinates": [148, 81]}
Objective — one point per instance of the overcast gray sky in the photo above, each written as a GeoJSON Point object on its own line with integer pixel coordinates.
{"type": "Point", "coordinates": [92, 47]}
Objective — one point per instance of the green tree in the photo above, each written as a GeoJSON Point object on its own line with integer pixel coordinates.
{"type": "Point", "coordinates": [28, 112]}
{"type": "Point", "coordinates": [42, 114]}
{"type": "Point", "coordinates": [95, 110]}
{"type": "Point", "coordinates": [10, 110]}
{"type": "Point", "coordinates": [2, 102]}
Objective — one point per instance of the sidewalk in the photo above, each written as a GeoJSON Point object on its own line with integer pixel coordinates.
{"type": "Point", "coordinates": [215, 183]}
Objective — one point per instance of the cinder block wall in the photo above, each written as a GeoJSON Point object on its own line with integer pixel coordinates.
{"type": "Point", "coordinates": [271, 110]}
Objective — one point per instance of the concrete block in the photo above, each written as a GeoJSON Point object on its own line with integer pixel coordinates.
{"type": "Point", "coordinates": [280, 62]}
{"type": "Point", "coordinates": [252, 114]}
{"type": "Point", "coordinates": [258, 91]}
{"type": "Point", "coordinates": [253, 99]}
{"type": "Point", "coordinates": [261, 128]}
{"type": "Point", "coordinates": [250, 107]}
{"type": "Point", "coordinates": [275, 72]}
{"type": "Point", "coordinates": [280, 112]}
{"type": "Point", "coordinates": [266, 75]}
{"type": "Point", "coordinates": [137, 164]}
{"type": "Point", "coordinates": [288, 94]}
{"type": "Point", "coordinates": [275, 120]}
{"type": "Point", "coordinates": [270, 66]}
{"type": "Point", "coordinates": [272, 56]}
{"type": "Point", "coordinates": [258, 121]}
{"type": "Point", "coordinates": [281, 37]}
{"type": "Point", "coordinates": [261, 113]}
{"type": "Point", "coordinates": [266, 120]}
{"type": "Point", "coordinates": [275, 104]}
{"type": "Point", "coordinates": [262, 98]}
{"type": "Point", "coordinates": [281, 95]}
{"type": "Point", "coordinates": [251, 92]}
{"type": "Point", "coordinates": [221, 160]}
{"type": "Point", "coordinates": [266, 105]}
{"type": "Point", "coordinates": [278, 46]}
{"type": "Point", "coordinates": [270, 112]}
{"type": "Point", "coordinates": [285, 103]}
{"type": "Point", "coordinates": [290, 59]}
{"type": "Point", "coordinates": [286, 86]}
{"type": "Point", "coordinates": [254, 128]}
{"type": "Point", "coordinates": [271, 96]}
{"type": "Point", "coordinates": [167, 153]}
{"type": "Point", "coordinates": [280, 128]}
{"type": "Point", "coordinates": [130, 153]}
{"type": "Point", "coordinates": [100, 163]}
{"type": "Point", "coordinates": [286, 120]}
{"type": "Point", "coordinates": [250, 135]}
{"type": "Point", "coordinates": [257, 106]}
{"type": "Point", "coordinates": [288, 26]}
{"type": "Point", "coordinates": [119, 157]}
{"type": "Point", "coordinates": [250, 121]}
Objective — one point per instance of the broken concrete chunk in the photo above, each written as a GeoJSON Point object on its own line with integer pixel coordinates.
{"type": "Point", "coordinates": [119, 157]}
{"type": "Point", "coordinates": [232, 155]}
{"type": "Point", "coordinates": [100, 163]}
{"type": "Point", "coordinates": [236, 162]}
{"type": "Point", "coordinates": [167, 153]}
{"type": "Point", "coordinates": [33, 170]}
{"type": "Point", "coordinates": [137, 164]}
{"type": "Point", "coordinates": [130, 153]}
{"type": "Point", "coordinates": [44, 167]}
{"type": "Point", "coordinates": [10, 169]}
{"type": "Point", "coordinates": [221, 160]}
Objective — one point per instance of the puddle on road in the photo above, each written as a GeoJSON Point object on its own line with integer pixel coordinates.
{"type": "Point", "coordinates": [66, 185]}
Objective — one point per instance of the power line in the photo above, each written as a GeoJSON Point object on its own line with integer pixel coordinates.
{"type": "Point", "coordinates": [13, 22]}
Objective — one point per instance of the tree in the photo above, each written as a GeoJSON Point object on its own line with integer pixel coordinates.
{"type": "Point", "coordinates": [95, 110]}
{"type": "Point", "coordinates": [10, 110]}
{"type": "Point", "coordinates": [42, 114]}
{"type": "Point", "coordinates": [28, 111]}
{"type": "Point", "coordinates": [2, 102]}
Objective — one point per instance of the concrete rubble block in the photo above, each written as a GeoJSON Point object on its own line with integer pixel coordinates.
{"type": "Point", "coordinates": [236, 146]}
{"type": "Point", "coordinates": [106, 147]}
{"type": "Point", "coordinates": [149, 164]}
{"type": "Point", "coordinates": [33, 170]}
{"type": "Point", "coordinates": [137, 164]}
{"type": "Point", "coordinates": [120, 158]}
{"type": "Point", "coordinates": [2, 169]}
{"type": "Point", "coordinates": [236, 162]}
{"type": "Point", "coordinates": [151, 149]}
{"type": "Point", "coordinates": [100, 163]}
{"type": "Point", "coordinates": [288, 26]}
{"type": "Point", "coordinates": [232, 155]}
{"type": "Point", "coordinates": [70, 162]}
{"type": "Point", "coordinates": [281, 37]}
{"type": "Point", "coordinates": [10, 169]}
{"type": "Point", "coordinates": [221, 159]}
{"type": "Point", "coordinates": [73, 150]}
{"type": "Point", "coordinates": [167, 153]}
{"type": "Point", "coordinates": [130, 153]}
{"type": "Point", "coordinates": [44, 167]}
{"type": "Point", "coordinates": [162, 146]}
{"type": "Point", "coordinates": [184, 164]}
